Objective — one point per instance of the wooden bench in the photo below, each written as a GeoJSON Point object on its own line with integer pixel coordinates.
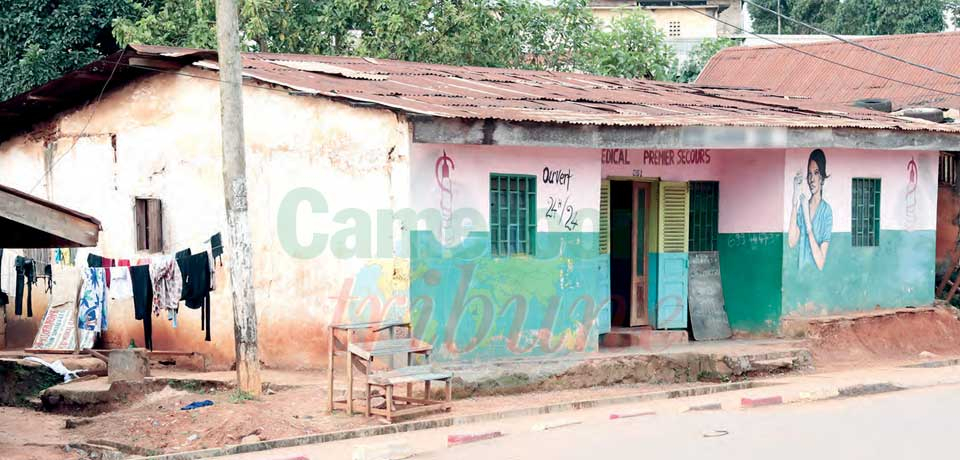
{"type": "Point", "coordinates": [398, 406]}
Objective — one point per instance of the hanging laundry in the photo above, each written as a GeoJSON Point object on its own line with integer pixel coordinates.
{"type": "Point", "coordinates": [94, 261]}
{"type": "Point", "coordinates": [183, 258]}
{"type": "Point", "coordinates": [167, 284]}
{"type": "Point", "coordinates": [213, 274]}
{"type": "Point", "coordinates": [216, 246]}
{"type": "Point", "coordinates": [48, 274]}
{"type": "Point", "coordinates": [4, 299]}
{"type": "Point", "coordinates": [26, 277]}
{"type": "Point", "coordinates": [92, 308]}
{"type": "Point", "coordinates": [143, 300]}
{"type": "Point", "coordinates": [121, 288]}
{"type": "Point", "coordinates": [197, 288]}
{"type": "Point", "coordinates": [123, 262]}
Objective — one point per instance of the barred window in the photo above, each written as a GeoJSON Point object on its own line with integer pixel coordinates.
{"type": "Point", "coordinates": [513, 214]}
{"type": "Point", "coordinates": [704, 207]}
{"type": "Point", "coordinates": [865, 228]}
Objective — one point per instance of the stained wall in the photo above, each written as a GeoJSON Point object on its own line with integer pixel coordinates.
{"type": "Point", "coordinates": [317, 172]}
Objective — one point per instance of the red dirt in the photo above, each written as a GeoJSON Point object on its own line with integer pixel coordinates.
{"type": "Point", "coordinates": [869, 339]}
{"type": "Point", "coordinates": [157, 422]}
{"type": "Point", "coordinates": [26, 434]}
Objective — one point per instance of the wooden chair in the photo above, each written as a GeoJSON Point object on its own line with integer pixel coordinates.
{"type": "Point", "coordinates": [397, 406]}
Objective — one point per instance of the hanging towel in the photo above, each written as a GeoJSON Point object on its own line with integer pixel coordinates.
{"type": "Point", "coordinates": [121, 288]}
{"type": "Point", "coordinates": [197, 290]}
{"type": "Point", "coordinates": [143, 300]}
{"type": "Point", "coordinates": [92, 309]}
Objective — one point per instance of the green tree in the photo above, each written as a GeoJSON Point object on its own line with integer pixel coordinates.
{"type": "Point", "coordinates": [851, 17]}
{"type": "Point", "coordinates": [699, 56]}
{"type": "Point", "coordinates": [42, 39]}
{"type": "Point", "coordinates": [633, 47]}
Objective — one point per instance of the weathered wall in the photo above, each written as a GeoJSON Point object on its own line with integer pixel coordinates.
{"type": "Point", "coordinates": [900, 271]}
{"type": "Point", "coordinates": [475, 306]}
{"type": "Point", "coordinates": [750, 218]}
{"type": "Point", "coordinates": [159, 138]}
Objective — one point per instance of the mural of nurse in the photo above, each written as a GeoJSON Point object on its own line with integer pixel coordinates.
{"type": "Point", "coordinates": [811, 220]}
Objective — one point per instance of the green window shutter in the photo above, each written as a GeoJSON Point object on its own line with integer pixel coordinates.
{"type": "Point", "coordinates": [674, 208]}
{"type": "Point", "coordinates": [604, 224]}
{"type": "Point", "coordinates": [513, 214]}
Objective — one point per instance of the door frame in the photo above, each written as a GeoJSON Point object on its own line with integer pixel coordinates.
{"type": "Point", "coordinates": [652, 221]}
{"type": "Point", "coordinates": [639, 303]}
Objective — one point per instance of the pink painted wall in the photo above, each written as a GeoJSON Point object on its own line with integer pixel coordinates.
{"type": "Point", "coordinates": [750, 180]}
{"type": "Point", "coordinates": [470, 169]}
{"type": "Point", "coordinates": [903, 207]}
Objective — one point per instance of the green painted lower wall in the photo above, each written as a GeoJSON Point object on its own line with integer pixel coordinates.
{"type": "Point", "coordinates": [750, 271]}
{"type": "Point", "coordinates": [897, 273]}
{"type": "Point", "coordinates": [472, 306]}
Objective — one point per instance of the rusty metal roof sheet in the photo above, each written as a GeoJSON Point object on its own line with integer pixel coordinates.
{"type": "Point", "coordinates": [787, 72]}
{"type": "Point", "coordinates": [482, 93]}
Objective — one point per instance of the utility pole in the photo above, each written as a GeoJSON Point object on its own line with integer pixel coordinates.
{"type": "Point", "coordinates": [779, 21]}
{"type": "Point", "coordinates": [235, 197]}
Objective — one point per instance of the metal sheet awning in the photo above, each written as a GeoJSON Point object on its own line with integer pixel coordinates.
{"type": "Point", "coordinates": [30, 222]}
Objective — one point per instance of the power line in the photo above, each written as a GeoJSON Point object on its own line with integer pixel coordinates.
{"type": "Point", "coordinates": [851, 42]}
{"type": "Point", "coordinates": [85, 125]}
{"type": "Point", "coordinates": [806, 53]}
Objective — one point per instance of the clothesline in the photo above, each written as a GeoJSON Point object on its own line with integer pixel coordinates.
{"type": "Point", "coordinates": [214, 245]}
{"type": "Point", "coordinates": [156, 283]}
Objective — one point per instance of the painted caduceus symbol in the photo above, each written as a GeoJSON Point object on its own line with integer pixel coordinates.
{"type": "Point", "coordinates": [911, 197]}
{"type": "Point", "coordinates": [442, 170]}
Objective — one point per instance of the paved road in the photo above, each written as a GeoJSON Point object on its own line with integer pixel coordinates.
{"type": "Point", "coordinates": [906, 424]}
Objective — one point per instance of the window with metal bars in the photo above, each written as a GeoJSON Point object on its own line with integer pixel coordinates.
{"type": "Point", "coordinates": [513, 214]}
{"type": "Point", "coordinates": [704, 211]}
{"type": "Point", "coordinates": [948, 169]}
{"type": "Point", "coordinates": [865, 225]}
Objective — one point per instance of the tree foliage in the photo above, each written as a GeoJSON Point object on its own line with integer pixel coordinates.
{"type": "Point", "coordinates": [632, 47]}
{"type": "Point", "coordinates": [42, 39]}
{"type": "Point", "coordinates": [851, 17]}
{"type": "Point", "coordinates": [700, 56]}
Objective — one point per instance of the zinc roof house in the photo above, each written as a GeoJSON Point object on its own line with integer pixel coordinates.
{"type": "Point", "coordinates": [790, 73]}
{"type": "Point", "coordinates": [503, 212]}
{"type": "Point", "coordinates": [840, 73]}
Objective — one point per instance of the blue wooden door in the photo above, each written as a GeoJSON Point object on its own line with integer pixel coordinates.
{"type": "Point", "coordinates": [673, 261]}
{"type": "Point", "coordinates": [672, 291]}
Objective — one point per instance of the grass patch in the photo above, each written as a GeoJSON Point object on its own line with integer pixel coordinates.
{"type": "Point", "coordinates": [192, 386]}
{"type": "Point", "coordinates": [238, 396]}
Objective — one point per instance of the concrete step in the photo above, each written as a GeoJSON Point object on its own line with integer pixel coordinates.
{"type": "Point", "coordinates": [641, 337]}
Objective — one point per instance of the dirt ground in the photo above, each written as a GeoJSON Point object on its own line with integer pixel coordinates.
{"type": "Point", "coordinates": [157, 423]}
{"type": "Point", "coordinates": [866, 340]}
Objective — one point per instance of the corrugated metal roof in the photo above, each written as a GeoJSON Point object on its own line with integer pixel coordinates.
{"type": "Point", "coordinates": [787, 72]}
{"type": "Point", "coordinates": [484, 93]}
